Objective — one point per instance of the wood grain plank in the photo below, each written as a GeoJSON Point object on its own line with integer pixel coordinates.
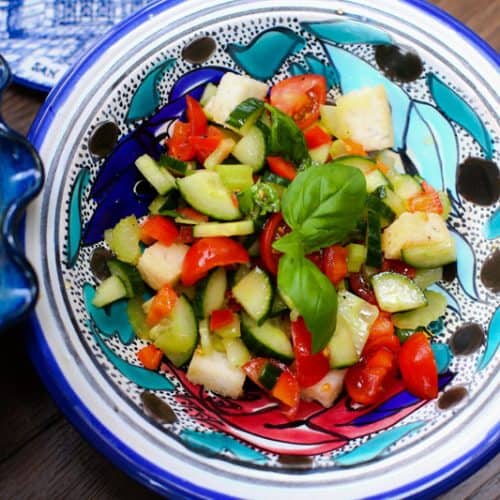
{"type": "Point", "coordinates": [26, 408]}
{"type": "Point", "coordinates": [59, 464]}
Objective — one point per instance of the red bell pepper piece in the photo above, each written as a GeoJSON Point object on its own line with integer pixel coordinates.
{"type": "Point", "coordinates": [335, 263]}
{"type": "Point", "coordinates": [196, 117]}
{"type": "Point", "coordinates": [162, 305]}
{"type": "Point", "coordinates": [207, 253]}
{"type": "Point", "coordinates": [221, 318]}
{"type": "Point", "coordinates": [150, 357]}
{"type": "Point", "coordinates": [159, 228]}
{"type": "Point", "coordinates": [315, 137]}
{"type": "Point", "coordinates": [310, 368]}
{"type": "Point", "coordinates": [282, 167]}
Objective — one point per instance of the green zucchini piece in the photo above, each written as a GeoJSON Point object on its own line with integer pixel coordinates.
{"type": "Point", "coordinates": [124, 239]}
{"type": "Point", "coordinates": [373, 240]}
{"type": "Point", "coordinates": [406, 186]}
{"type": "Point", "coordinates": [251, 149]}
{"type": "Point", "coordinates": [356, 257]}
{"type": "Point", "coordinates": [434, 309]}
{"type": "Point", "coordinates": [396, 292]}
{"type": "Point", "coordinates": [244, 116]}
{"type": "Point", "coordinates": [177, 335]}
{"type": "Point", "coordinates": [205, 192]}
{"type": "Point", "coordinates": [375, 179]}
{"type": "Point", "coordinates": [238, 228]}
{"type": "Point", "coordinates": [266, 340]}
{"type": "Point", "coordinates": [427, 277]}
{"type": "Point", "coordinates": [429, 255]}
{"type": "Point", "coordinates": [235, 177]}
{"type": "Point", "coordinates": [137, 318]}
{"type": "Point", "coordinates": [210, 293]}
{"type": "Point", "coordinates": [157, 176]}
{"type": "Point", "coordinates": [363, 163]}
{"type": "Point", "coordinates": [110, 290]}
{"type": "Point", "coordinates": [255, 294]}
{"type": "Point", "coordinates": [391, 199]}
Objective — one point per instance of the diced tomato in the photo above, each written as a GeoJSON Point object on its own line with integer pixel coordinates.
{"type": "Point", "coordinates": [221, 318]}
{"type": "Point", "coordinates": [159, 228]}
{"type": "Point", "coordinates": [361, 288]}
{"type": "Point", "coordinates": [418, 366]}
{"type": "Point", "coordinates": [382, 335]}
{"type": "Point", "coordinates": [179, 145]}
{"type": "Point", "coordinates": [274, 229]}
{"type": "Point", "coordinates": [316, 136]}
{"type": "Point", "coordinates": [207, 253]}
{"type": "Point", "coordinates": [369, 380]}
{"type": "Point", "coordinates": [191, 213]}
{"type": "Point", "coordinates": [426, 202]}
{"type": "Point", "coordinates": [335, 263]}
{"type": "Point", "coordinates": [161, 306]}
{"type": "Point", "coordinates": [300, 97]}
{"type": "Point", "coordinates": [150, 357]}
{"type": "Point", "coordinates": [185, 235]}
{"type": "Point", "coordinates": [286, 389]}
{"type": "Point", "coordinates": [354, 148]}
{"type": "Point", "coordinates": [196, 116]}
{"type": "Point", "coordinates": [398, 266]}
{"type": "Point", "coordinates": [282, 167]}
{"type": "Point", "coordinates": [310, 368]}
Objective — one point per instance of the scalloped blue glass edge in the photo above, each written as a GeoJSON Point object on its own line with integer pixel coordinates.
{"type": "Point", "coordinates": [92, 429]}
{"type": "Point", "coordinates": [22, 179]}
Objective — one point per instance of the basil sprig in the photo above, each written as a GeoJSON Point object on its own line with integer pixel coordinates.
{"type": "Point", "coordinates": [322, 206]}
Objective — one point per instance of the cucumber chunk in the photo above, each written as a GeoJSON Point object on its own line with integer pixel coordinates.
{"type": "Point", "coordinates": [356, 257]}
{"type": "Point", "coordinates": [267, 340]}
{"type": "Point", "coordinates": [211, 293]}
{"type": "Point", "coordinates": [395, 292]}
{"type": "Point", "coordinates": [110, 290]}
{"type": "Point", "coordinates": [239, 228]}
{"type": "Point", "coordinates": [434, 309]}
{"type": "Point", "coordinates": [391, 199]}
{"type": "Point", "coordinates": [366, 165]}
{"type": "Point", "coordinates": [137, 318]}
{"type": "Point", "coordinates": [427, 277]}
{"type": "Point", "coordinates": [429, 255]}
{"type": "Point", "coordinates": [406, 186]}
{"type": "Point", "coordinates": [375, 179]}
{"type": "Point", "coordinates": [123, 240]}
{"type": "Point", "coordinates": [129, 276]}
{"type": "Point", "coordinates": [251, 149]}
{"type": "Point", "coordinates": [355, 317]}
{"type": "Point", "coordinates": [177, 335]}
{"type": "Point", "coordinates": [320, 153]}
{"type": "Point", "coordinates": [205, 192]}
{"type": "Point", "coordinates": [255, 294]}
{"type": "Point", "coordinates": [373, 240]}
{"type": "Point", "coordinates": [221, 152]}
{"type": "Point", "coordinates": [157, 176]}
{"type": "Point", "coordinates": [236, 352]}
{"type": "Point", "coordinates": [244, 116]}
{"type": "Point", "coordinates": [235, 177]}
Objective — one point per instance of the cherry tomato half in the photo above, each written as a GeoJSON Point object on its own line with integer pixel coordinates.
{"type": "Point", "coordinates": [300, 97]}
{"type": "Point", "coordinates": [369, 380]}
{"type": "Point", "coordinates": [207, 253]}
{"type": "Point", "coordinates": [274, 229]}
{"type": "Point", "coordinates": [418, 366]}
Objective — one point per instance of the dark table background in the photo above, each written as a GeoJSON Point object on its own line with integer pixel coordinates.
{"type": "Point", "coordinates": [41, 455]}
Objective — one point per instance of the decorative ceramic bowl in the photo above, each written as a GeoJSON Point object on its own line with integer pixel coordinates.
{"type": "Point", "coordinates": [119, 101]}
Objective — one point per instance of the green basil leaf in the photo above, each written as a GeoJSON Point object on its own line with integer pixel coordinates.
{"type": "Point", "coordinates": [324, 204]}
{"type": "Point", "coordinates": [312, 294]}
{"type": "Point", "coordinates": [285, 138]}
{"type": "Point", "coordinates": [290, 243]}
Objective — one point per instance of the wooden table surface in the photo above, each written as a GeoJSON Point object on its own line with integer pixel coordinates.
{"type": "Point", "coordinates": [41, 455]}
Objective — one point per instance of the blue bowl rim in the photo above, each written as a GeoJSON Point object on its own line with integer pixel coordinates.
{"type": "Point", "coordinates": [117, 451]}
